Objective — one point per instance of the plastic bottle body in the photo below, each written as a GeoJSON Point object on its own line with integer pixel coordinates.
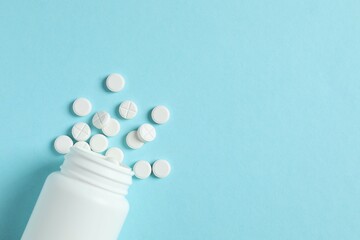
{"type": "Point", "coordinates": [81, 202]}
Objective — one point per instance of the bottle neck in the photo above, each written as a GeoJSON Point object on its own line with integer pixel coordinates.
{"type": "Point", "coordinates": [94, 169]}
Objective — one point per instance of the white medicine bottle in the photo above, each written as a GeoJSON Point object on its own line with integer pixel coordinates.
{"type": "Point", "coordinates": [85, 200]}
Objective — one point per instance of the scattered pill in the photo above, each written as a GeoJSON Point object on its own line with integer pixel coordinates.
{"type": "Point", "coordinates": [142, 169]}
{"type": "Point", "coordinates": [161, 168]}
{"type": "Point", "coordinates": [128, 109]}
{"type": "Point", "coordinates": [146, 133]}
{"type": "Point", "coordinates": [112, 128]}
{"type": "Point", "coordinates": [63, 144]}
{"type": "Point", "coordinates": [160, 114]}
{"type": "Point", "coordinates": [100, 119]}
{"type": "Point", "coordinates": [81, 131]}
{"type": "Point", "coordinates": [82, 107]}
{"type": "Point", "coordinates": [133, 141]}
{"type": "Point", "coordinates": [115, 82]}
{"type": "Point", "coordinates": [115, 153]}
{"type": "Point", "coordinates": [82, 145]}
{"type": "Point", "coordinates": [98, 143]}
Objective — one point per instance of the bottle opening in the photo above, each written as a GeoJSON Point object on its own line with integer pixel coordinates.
{"type": "Point", "coordinates": [93, 168]}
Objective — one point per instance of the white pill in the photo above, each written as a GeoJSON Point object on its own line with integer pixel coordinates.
{"type": "Point", "coordinates": [160, 114]}
{"type": "Point", "coordinates": [146, 133]}
{"type": "Point", "coordinates": [128, 109]}
{"type": "Point", "coordinates": [63, 144]}
{"type": "Point", "coordinates": [82, 107]}
{"type": "Point", "coordinates": [100, 119]}
{"type": "Point", "coordinates": [112, 128]}
{"type": "Point", "coordinates": [115, 82]}
{"type": "Point", "coordinates": [161, 168]}
{"type": "Point", "coordinates": [98, 143]}
{"type": "Point", "coordinates": [81, 131]}
{"type": "Point", "coordinates": [133, 141]}
{"type": "Point", "coordinates": [82, 145]}
{"type": "Point", "coordinates": [142, 169]}
{"type": "Point", "coordinates": [115, 153]}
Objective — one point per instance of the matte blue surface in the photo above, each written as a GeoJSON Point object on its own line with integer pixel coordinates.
{"type": "Point", "coordinates": [265, 99]}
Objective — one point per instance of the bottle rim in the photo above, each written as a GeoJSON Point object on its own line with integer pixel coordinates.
{"type": "Point", "coordinates": [94, 169]}
{"type": "Point", "coordinates": [102, 160]}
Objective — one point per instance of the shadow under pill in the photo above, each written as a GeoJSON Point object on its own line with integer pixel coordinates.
{"type": "Point", "coordinates": [70, 108]}
{"type": "Point", "coordinates": [125, 144]}
{"type": "Point", "coordinates": [149, 118]}
{"type": "Point", "coordinates": [103, 85]}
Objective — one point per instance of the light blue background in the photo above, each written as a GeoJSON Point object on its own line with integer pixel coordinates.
{"type": "Point", "coordinates": [265, 100]}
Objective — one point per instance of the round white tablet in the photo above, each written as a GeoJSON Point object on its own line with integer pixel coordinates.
{"type": "Point", "coordinates": [82, 145]}
{"type": "Point", "coordinates": [160, 114]}
{"type": "Point", "coordinates": [133, 141]}
{"type": "Point", "coordinates": [146, 133]}
{"type": "Point", "coordinates": [128, 109]}
{"type": "Point", "coordinates": [115, 82]}
{"type": "Point", "coordinates": [98, 143]}
{"type": "Point", "coordinates": [112, 128]}
{"type": "Point", "coordinates": [63, 144]}
{"type": "Point", "coordinates": [100, 119]}
{"type": "Point", "coordinates": [142, 169]}
{"type": "Point", "coordinates": [161, 168]}
{"type": "Point", "coordinates": [115, 153]}
{"type": "Point", "coordinates": [81, 131]}
{"type": "Point", "coordinates": [82, 107]}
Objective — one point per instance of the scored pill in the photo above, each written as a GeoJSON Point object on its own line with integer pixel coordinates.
{"type": "Point", "coordinates": [81, 131]}
{"type": "Point", "coordinates": [100, 119]}
{"type": "Point", "coordinates": [146, 133]}
{"type": "Point", "coordinates": [128, 109]}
